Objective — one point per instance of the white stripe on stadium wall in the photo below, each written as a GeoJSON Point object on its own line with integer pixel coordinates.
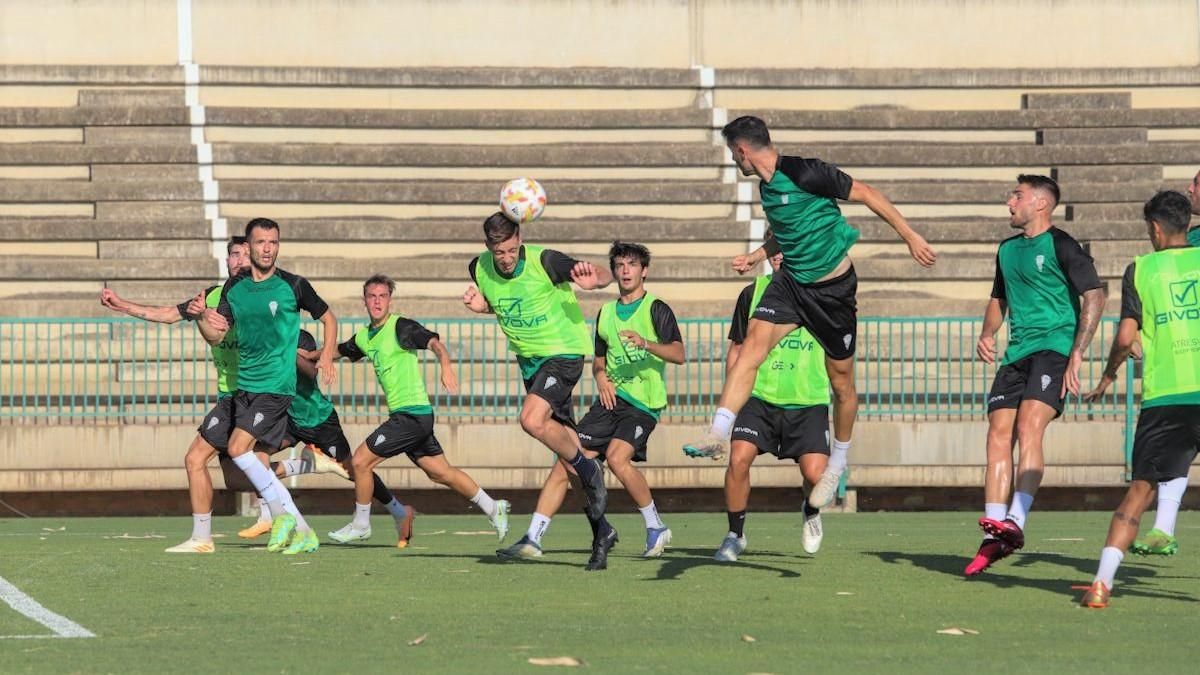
{"type": "Point", "coordinates": [32, 609]}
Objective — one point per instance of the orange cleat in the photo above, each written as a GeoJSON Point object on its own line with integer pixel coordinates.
{"type": "Point", "coordinates": [1097, 596]}
{"type": "Point", "coordinates": [404, 527]}
{"type": "Point", "coordinates": [256, 530]}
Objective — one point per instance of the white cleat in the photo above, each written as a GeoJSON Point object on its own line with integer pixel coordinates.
{"type": "Point", "coordinates": [812, 533]}
{"type": "Point", "coordinates": [193, 546]}
{"type": "Point", "coordinates": [350, 533]}
{"type": "Point", "coordinates": [322, 463]}
{"type": "Point", "coordinates": [710, 446]}
{"type": "Point", "coordinates": [826, 488]}
{"type": "Point", "coordinates": [500, 520]}
{"type": "Point", "coordinates": [731, 547]}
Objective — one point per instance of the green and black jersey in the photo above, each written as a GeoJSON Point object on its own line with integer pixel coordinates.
{"type": "Point", "coordinates": [636, 374]}
{"type": "Point", "coordinates": [267, 317]}
{"type": "Point", "coordinates": [801, 204]}
{"type": "Point", "coordinates": [392, 349]}
{"type": "Point", "coordinates": [1194, 236]}
{"type": "Point", "coordinates": [535, 306]}
{"type": "Point", "coordinates": [224, 353]}
{"type": "Point", "coordinates": [309, 406]}
{"type": "Point", "coordinates": [1040, 279]}
{"type": "Point", "coordinates": [1161, 291]}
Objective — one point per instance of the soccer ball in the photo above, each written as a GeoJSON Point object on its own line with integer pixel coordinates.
{"type": "Point", "coordinates": [522, 200]}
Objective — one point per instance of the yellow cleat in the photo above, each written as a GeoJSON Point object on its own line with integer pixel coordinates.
{"type": "Point", "coordinates": [404, 527]}
{"type": "Point", "coordinates": [256, 530]}
{"type": "Point", "coordinates": [1097, 596]}
{"type": "Point", "coordinates": [193, 546]}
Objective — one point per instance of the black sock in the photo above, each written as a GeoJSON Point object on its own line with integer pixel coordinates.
{"type": "Point", "coordinates": [600, 526]}
{"type": "Point", "coordinates": [810, 510]}
{"type": "Point", "coordinates": [381, 493]}
{"type": "Point", "coordinates": [737, 522]}
{"type": "Point", "coordinates": [584, 467]}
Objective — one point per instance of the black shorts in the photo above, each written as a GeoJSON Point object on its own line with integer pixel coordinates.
{"type": "Point", "coordinates": [263, 416]}
{"type": "Point", "coordinates": [327, 436]}
{"type": "Point", "coordinates": [624, 422]}
{"type": "Point", "coordinates": [786, 433]}
{"type": "Point", "coordinates": [405, 433]}
{"type": "Point", "coordinates": [555, 382]}
{"type": "Point", "coordinates": [1165, 442]}
{"type": "Point", "coordinates": [828, 309]}
{"type": "Point", "coordinates": [217, 424]}
{"type": "Point", "coordinates": [1037, 377]}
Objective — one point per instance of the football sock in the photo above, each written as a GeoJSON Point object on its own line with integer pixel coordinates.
{"type": "Point", "coordinates": [264, 511]}
{"type": "Point", "coordinates": [600, 526]}
{"type": "Point", "coordinates": [721, 422]}
{"type": "Point", "coordinates": [362, 516]}
{"type": "Point", "coordinates": [538, 525]}
{"type": "Point", "coordinates": [484, 502]}
{"type": "Point", "coordinates": [994, 511]}
{"type": "Point", "coordinates": [263, 481]}
{"type": "Point", "coordinates": [1110, 560]}
{"type": "Point", "coordinates": [837, 456]}
{"type": "Point", "coordinates": [1020, 508]}
{"type": "Point", "coordinates": [289, 506]}
{"type": "Point", "coordinates": [1170, 494]}
{"type": "Point", "coordinates": [584, 467]}
{"type": "Point", "coordinates": [295, 467]}
{"type": "Point", "coordinates": [380, 492]}
{"type": "Point", "coordinates": [397, 509]}
{"type": "Point", "coordinates": [737, 522]}
{"type": "Point", "coordinates": [202, 526]}
{"type": "Point", "coordinates": [650, 515]}
{"type": "Point", "coordinates": [809, 510]}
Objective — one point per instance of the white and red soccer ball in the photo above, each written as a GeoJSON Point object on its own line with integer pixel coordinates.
{"type": "Point", "coordinates": [522, 200]}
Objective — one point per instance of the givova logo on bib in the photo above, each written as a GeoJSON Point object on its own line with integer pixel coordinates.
{"type": "Point", "coordinates": [510, 312]}
{"type": "Point", "coordinates": [1185, 302]}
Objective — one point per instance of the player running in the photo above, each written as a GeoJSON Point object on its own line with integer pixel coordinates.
{"type": "Point", "coordinates": [528, 288]}
{"type": "Point", "coordinates": [391, 342]}
{"type": "Point", "coordinates": [264, 305]}
{"type": "Point", "coordinates": [787, 416]}
{"type": "Point", "coordinates": [816, 290]}
{"type": "Point", "coordinates": [1040, 276]}
{"type": "Point", "coordinates": [1160, 298]}
{"type": "Point", "coordinates": [636, 336]}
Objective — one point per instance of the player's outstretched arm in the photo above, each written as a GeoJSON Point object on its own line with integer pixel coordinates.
{"type": "Point", "coordinates": [1090, 310]}
{"type": "Point", "coordinates": [1122, 346]}
{"type": "Point", "coordinates": [114, 302]}
{"type": "Point", "coordinates": [748, 261]}
{"type": "Point", "coordinates": [883, 207]}
{"type": "Point", "coordinates": [329, 329]}
{"type": "Point", "coordinates": [993, 318]}
{"type": "Point", "coordinates": [449, 378]}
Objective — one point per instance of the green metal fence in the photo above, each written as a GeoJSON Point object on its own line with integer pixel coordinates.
{"type": "Point", "coordinates": [56, 371]}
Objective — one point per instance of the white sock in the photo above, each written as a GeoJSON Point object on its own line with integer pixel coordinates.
{"type": "Point", "coordinates": [995, 511]}
{"type": "Point", "coordinates": [294, 467]}
{"type": "Point", "coordinates": [484, 502]}
{"type": "Point", "coordinates": [537, 527]}
{"type": "Point", "coordinates": [362, 516]}
{"type": "Point", "coordinates": [264, 511]}
{"type": "Point", "coordinates": [261, 478]}
{"type": "Point", "coordinates": [650, 515]}
{"type": "Point", "coordinates": [1110, 560]}
{"type": "Point", "coordinates": [397, 510]}
{"type": "Point", "coordinates": [837, 456]}
{"type": "Point", "coordinates": [1020, 508]}
{"type": "Point", "coordinates": [289, 506]}
{"type": "Point", "coordinates": [722, 422]}
{"type": "Point", "coordinates": [1170, 494]}
{"type": "Point", "coordinates": [202, 526]}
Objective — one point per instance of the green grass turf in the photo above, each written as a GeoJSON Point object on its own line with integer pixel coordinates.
{"type": "Point", "coordinates": [871, 601]}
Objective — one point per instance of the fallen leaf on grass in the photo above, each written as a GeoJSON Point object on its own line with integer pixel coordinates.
{"type": "Point", "coordinates": [53, 529]}
{"type": "Point", "coordinates": [491, 532]}
{"type": "Point", "coordinates": [458, 571]}
{"type": "Point", "coordinates": [844, 593]}
{"type": "Point", "coordinates": [418, 640]}
{"type": "Point", "coordinates": [555, 661]}
{"type": "Point", "coordinates": [958, 631]}
{"type": "Point", "coordinates": [749, 638]}
{"type": "Point", "coordinates": [430, 534]}
{"type": "Point", "coordinates": [302, 563]}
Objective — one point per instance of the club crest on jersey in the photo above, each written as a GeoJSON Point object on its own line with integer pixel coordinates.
{"type": "Point", "coordinates": [550, 382]}
{"type": "Point", "coordinates": [213, 421]}
{"type": "Point", "coordinates": [637, 432]}
{"type": "Point", "coordinates": [258, 418]}
{"type": "Point", "coordinates": [379, 439]}
{"type": "Point", "coordinates": [847, 339]}
{"type": "Point", "coordinates": [274, 306]}
{"type": "Point", "coordinates": [1040, 261]}
{"type": "Point", "coordinates": [1045, 382]}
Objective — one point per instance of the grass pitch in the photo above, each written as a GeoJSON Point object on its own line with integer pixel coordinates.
{"type": "Point", "coordinates": [872, 600]}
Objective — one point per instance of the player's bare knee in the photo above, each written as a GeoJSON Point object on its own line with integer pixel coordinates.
{"type": "Point", "coordinates": [533, 423]}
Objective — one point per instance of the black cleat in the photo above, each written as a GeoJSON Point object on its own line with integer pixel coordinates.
{"type": "Point", "coordinates": [600, 547]}
{"type": "Point", "coordinates": [594, 492]}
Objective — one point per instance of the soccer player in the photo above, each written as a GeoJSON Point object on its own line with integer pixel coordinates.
{"type": "Point", "coordinates": [1193, 235]}
{"type": "Point", "coordinates": [1040, 275]}
{"type": "Point", "coordinates": [213, 433]}
{"type": "Point", "coordinates": [264, 305]}
{"type": "Point", "coordinates": [1160, 298]}
{"type": "Point", "coordinates": [528, 288]}
{"type": "Point", "coordinates": [391, 343]}
{"type": "Point", "coordinates": [787, 416]}
{"type": "Point", "coordinates": [314, 421]}
{"type": "Point", "coordinates": [816, 290]}
{"type": "Point", "coordinates": [636, 336]}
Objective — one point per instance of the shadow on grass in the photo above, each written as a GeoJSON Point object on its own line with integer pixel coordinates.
{"type": "Point", "coordinates": [676, 561]}
{"type": "Point", "coordinates": [1132, 580]}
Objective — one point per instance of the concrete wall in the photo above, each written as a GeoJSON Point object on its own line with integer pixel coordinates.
{"type": "Point", "coordinates": [620, 33]}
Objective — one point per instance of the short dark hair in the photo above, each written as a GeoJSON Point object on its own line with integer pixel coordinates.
{"type": "Point", "coordinates": [747, 128]}
{"type": "Point", "coordinates": [498, 228]}
{"type": "Point", "coordinates": [380, 280]}
{"type": "Point", "coordinates": [625, 249]}
{"type": "Point", "coordinates": [1170, 209]}
{"type": "Point", "coordinates": [262, 224]}
{"type": "Point", "coordinates": [235, 240]}
{"type": "Point", "coordinates": [1040, 182]}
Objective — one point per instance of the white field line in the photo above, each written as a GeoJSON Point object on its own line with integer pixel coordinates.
{"type": "Point", "coordinates": [32, 609]}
